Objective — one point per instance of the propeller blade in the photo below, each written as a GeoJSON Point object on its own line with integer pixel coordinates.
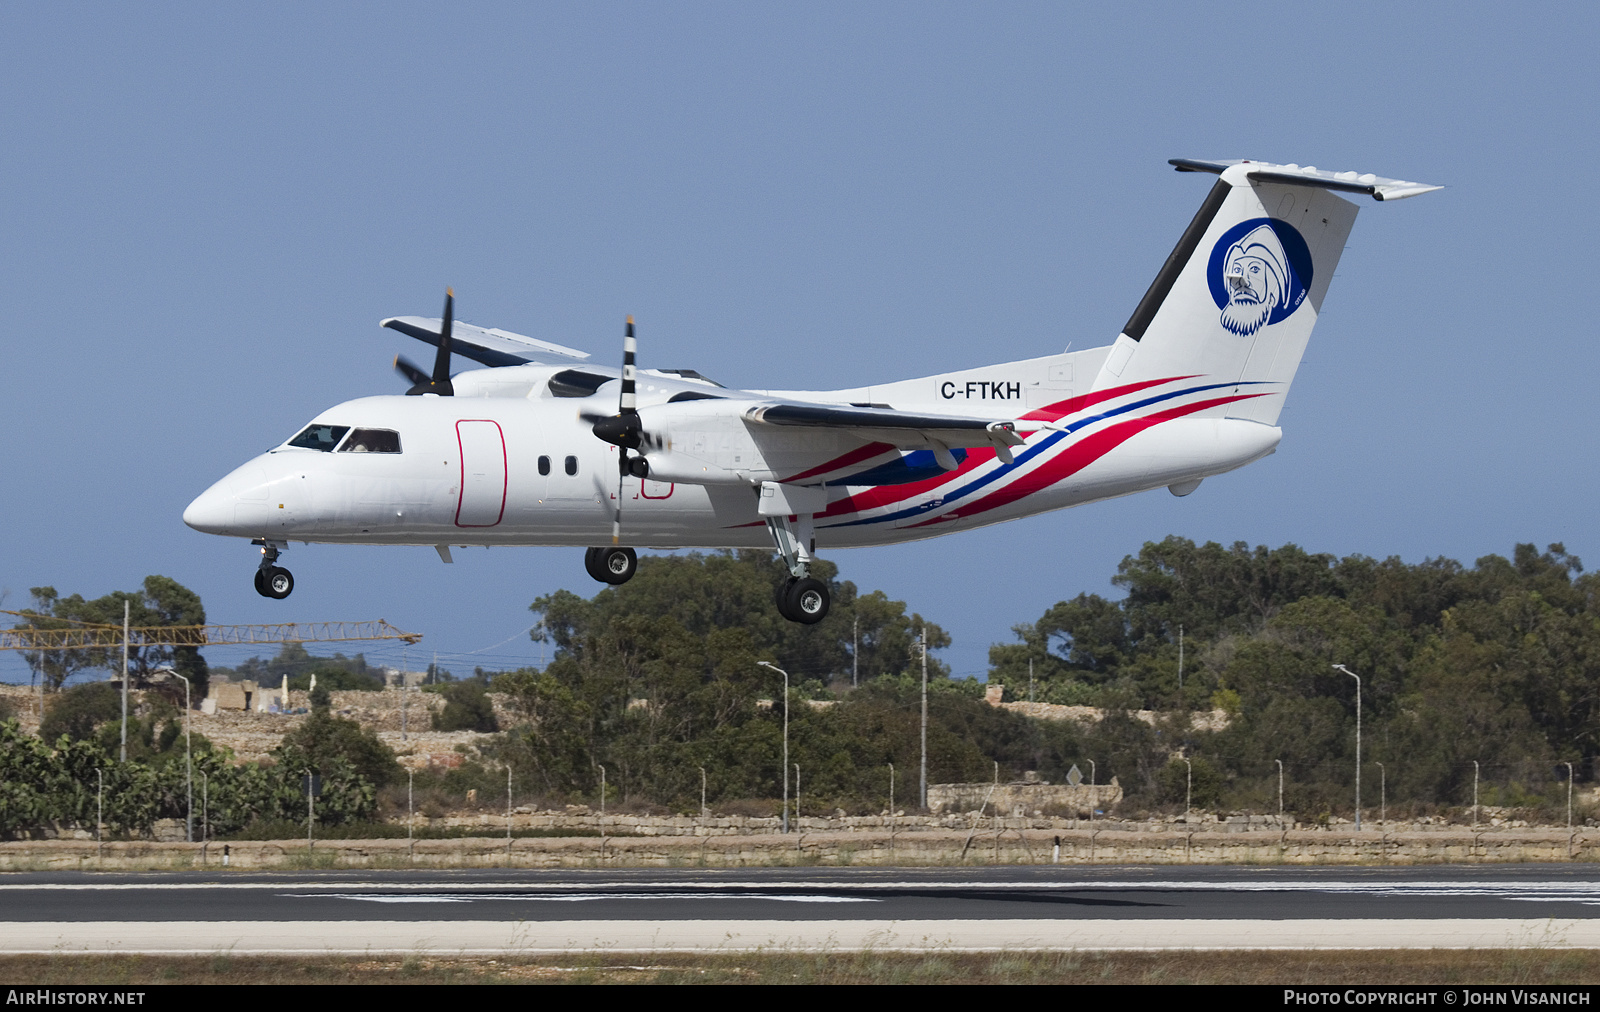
{"type": "Point", "coordinates": [628, 417]}
{"type": "Point", "coordinates": [409, 370]}
{"type": "Point", "coordinates": [627, 402]}
{"type": "Point", "coordinates": [439, 382]}
{"type": "Point", "coordinates": [441, 361]}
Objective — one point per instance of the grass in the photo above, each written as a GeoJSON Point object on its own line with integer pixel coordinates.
{"type": "Point", "coordinates": [1532, 967]}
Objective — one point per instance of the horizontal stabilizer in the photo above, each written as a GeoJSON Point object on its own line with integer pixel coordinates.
{"type": "Point", "coordinates": [492, 347]}
{"type": "Point", "coordinates": [1377, 187]}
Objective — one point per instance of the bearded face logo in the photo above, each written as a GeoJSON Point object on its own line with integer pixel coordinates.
{"type": "Point", "coordinates": [1259, 273]}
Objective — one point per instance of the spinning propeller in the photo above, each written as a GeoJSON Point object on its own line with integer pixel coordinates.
{"type": "Point", "coordinates": [439, 382]}
{"type": "Point", "coordinates": [624, 429]}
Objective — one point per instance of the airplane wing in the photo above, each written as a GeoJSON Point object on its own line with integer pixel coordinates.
{"type": "Point", "coordinates": [492, 347]}
{"type": "Point", "coordinates": [902, 429]}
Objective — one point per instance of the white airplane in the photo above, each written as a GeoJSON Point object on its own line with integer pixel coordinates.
{"type": "Point", "coordinates": [541, 448]}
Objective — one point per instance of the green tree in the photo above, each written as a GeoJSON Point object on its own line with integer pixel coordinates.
{"type": "Point", "coordinates": [466, 708]}
{"type": "Point", "coordinates": [161, 602]}
{"type": "Point", "coordinates": [323, 742]}
{"type": "Point", "coordinates": [79, 711]}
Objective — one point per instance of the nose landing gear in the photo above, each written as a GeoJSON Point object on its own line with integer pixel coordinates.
{"type": "Point", "coordinates": [271, 579]}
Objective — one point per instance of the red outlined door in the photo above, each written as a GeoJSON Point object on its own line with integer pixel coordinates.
{"type": "Point", "coordinates": [483, 473]}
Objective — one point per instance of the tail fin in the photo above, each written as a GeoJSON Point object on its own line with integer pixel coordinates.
{"type": "Point", "coordinates": [1236, 300]}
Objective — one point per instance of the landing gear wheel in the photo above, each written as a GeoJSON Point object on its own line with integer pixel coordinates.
{"type": "Point", "coordinates": [261, 583]}
{"type": "Point", "coordinates": [615, 566]}
{"type": "Point", "coordinates": [805, 601]}
{"type": "Point", "coordinates": [279, 583]}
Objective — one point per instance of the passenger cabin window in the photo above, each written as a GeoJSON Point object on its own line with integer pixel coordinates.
{"type": "Point", "coordinates": [544, 465]}
{"type": "Point", "coordinates": [320, 437]}
{"type": "Point", "coordinates": [572, 465]}
{"type": "Point", "coordinates": [372, 441]}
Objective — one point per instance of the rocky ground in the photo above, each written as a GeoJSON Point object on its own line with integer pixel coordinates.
{"type": "Point", "coordinates": [402, 721]}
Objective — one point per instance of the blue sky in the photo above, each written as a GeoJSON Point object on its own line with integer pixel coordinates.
{"type": "Point", "coordinates": [207, 209]}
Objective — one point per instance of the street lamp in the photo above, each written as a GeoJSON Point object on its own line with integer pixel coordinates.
{"type": "Point", "coordinates": [1188, 788]}
{"type": "Point", "coordinates": [1569, 796]}
{"type": "Point", "coordinates": [1383, 796]}
{"type": "Point", "coordinates": [785, 767]}
{"type": "Point", "coordinates": [188, 762]}
{"type": "Point", "coordinates": [1357, 677]}
{"type": "Point", "coordinates": [1280, 792]}
{"type": "Point", "coordinates": [923, 796]}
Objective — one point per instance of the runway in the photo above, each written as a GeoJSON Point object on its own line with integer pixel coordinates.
{"type": "Point", "coordinates": [982, 909]}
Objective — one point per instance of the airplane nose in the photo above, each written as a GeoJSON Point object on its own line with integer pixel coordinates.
{"type": "Point", "coordinates": [211, 512]}
{"type": "Point", "coordinates": [217, 510]}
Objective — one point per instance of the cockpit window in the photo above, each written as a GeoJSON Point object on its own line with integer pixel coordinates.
{"type": "Point", "coordinates": [320, 437]}
{"type": "Point", "coordinates": [372, 441]}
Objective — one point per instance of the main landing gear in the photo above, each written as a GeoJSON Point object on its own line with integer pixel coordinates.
{"type": "Point", "coordinates": [273, 580]}
{"type": "Point", "coordinates": [613, 565]}
{"type": "Point", "coordinates": [788, 511]}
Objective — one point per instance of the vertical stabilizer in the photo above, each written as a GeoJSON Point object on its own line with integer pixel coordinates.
{"type": "Point", "coordinates": [1236, 300]}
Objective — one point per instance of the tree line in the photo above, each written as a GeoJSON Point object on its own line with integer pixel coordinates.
{"type": "Point", "coordinates": [657, 682]}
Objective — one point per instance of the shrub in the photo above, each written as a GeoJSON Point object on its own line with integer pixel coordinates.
{"type": "Point", "coordinates": [466, 708]}
{"type": "Point", "coordinates": [79, 710]}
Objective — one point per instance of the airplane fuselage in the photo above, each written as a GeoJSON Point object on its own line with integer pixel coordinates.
{"type": "Point", "coordinates": [528, 471]}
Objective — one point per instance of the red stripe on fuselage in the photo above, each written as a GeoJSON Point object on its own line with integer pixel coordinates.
{"type": "Point", "coordinates": [855, 456]}
{"type": "Point", "coordinates": [887, 495]}
{"type": "Point", "coordinates": [1078, 456]}
{"type": "Point", "coordinates": [1060, 409]}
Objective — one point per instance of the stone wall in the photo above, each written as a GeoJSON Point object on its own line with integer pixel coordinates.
{"type": "Point", "coordinates": [1023, 798]}
{"type": "Point", "coordinates": [881, 847]}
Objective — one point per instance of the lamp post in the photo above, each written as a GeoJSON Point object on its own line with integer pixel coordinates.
{"type": "Point", "coordinates": [1569, 796]}
{"type": "Point", "coordinates": [1094, 795]}
{"type": "Point", "coordinates": [188, 760]}
{"type": "Point", "coordinates": [1188, 788]}
{"type": "Point", "coordinates": [797, 792]}
{"type": "Point", "coordinates": [1357, 677]}
{"type": "Point", "coordinates": [891, 805]}
{"type": "Point", "coordinates": [100, 813]}
{"type": "Point", "coordinates": [1383, 795]}
{"type": "Point", "coordinates": [205, 814]}
{"type": "Point", "coordinates": [1474, 794]}
{"type": "Point", "coordinates": [411, 841]}
{"type": "Point", "coordinates": [1280, 792]}
{"type": "Point", "coordinates": [785, 766]}
{"type": "Point", "coordinates": [123, 754]}
{"type": "Point", "coordinates": [923, 795]}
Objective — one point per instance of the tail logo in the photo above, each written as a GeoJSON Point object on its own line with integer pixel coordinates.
{"type": "Point", "coordinates": [1259, 272]}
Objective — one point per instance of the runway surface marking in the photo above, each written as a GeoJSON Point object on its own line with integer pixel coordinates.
{"type": "Point", "coordinates": [1584, 893]}
{"type": "Point", "coordinates": [532, 896]}
{"type": "Point", "coordinates": [555, 937]}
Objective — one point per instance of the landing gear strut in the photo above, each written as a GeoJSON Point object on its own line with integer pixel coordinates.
{"type": "Point", "coordinates": [271, 579]}
{"type": "Point", "coordinates": [788, 512]}
{"type": "Point", "coordinates": [613, 565]}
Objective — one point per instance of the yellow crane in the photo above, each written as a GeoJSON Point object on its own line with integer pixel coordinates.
{"type": "Point", "coordinates": [91, 636]}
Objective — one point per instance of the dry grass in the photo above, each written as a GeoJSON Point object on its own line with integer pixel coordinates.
{"type": "Point", "coordinates": [1350, 968]}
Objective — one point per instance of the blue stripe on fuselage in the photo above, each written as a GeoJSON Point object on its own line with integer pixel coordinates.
{"type": "Point", "coordinates": [1035, 451]}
